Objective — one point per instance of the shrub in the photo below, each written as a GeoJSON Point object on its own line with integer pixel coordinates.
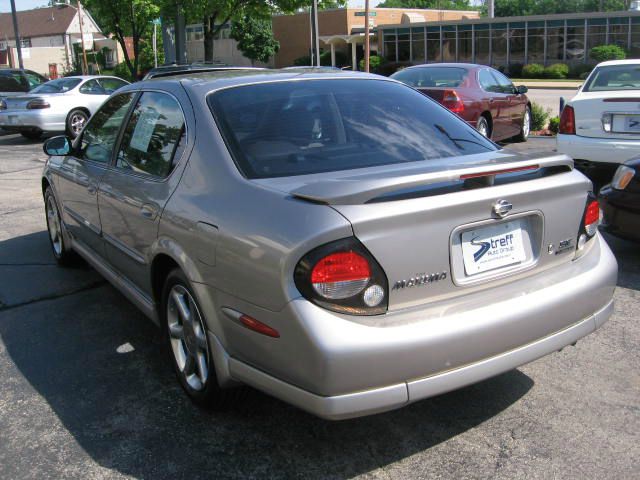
{"type": "Point", "coordinates": [602, 53]}
{"type": "Point", "coordinates": [539, 117]}
{"type": "Point", "coordinates": [557, 70]}
{"type": "Point", "coordinates": [583, 75]}
{"type": "Point", "coordinates": [392, 67]}
{"type": "Point", "coordinates": [554, 125]}
{"type": "Point", "coordinates": [302, 61]}
{"type": "Point", "coordinates": [121, 70]}
{"type": "Point", "coordinates": [515, 70]}
{"type": "Point", "coordinates": [533, 70]}
{"type": "Point", "coordinates": [374, 63]}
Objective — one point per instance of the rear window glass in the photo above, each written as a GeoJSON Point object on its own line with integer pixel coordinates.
{"type": "Point", "coordinates": [432, 76]}
{"type": "Point", "coordinates": [614, 77]}
{"type": "Point", "coordinates": [60, 85]}
{"type": "Point", "coordinates": [312, 126]}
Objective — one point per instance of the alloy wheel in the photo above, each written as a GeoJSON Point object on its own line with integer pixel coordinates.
{"type": "Point", "coordinates": [188, 337]}
{"type": "Point", "coordinates": [54, 227]}
{"type": "Point", "coordinates": [77, 122]}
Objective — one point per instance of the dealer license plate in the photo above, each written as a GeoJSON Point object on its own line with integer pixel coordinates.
{"type": "Point", "coordinates": [489, 248]}
{"type": "Point", "coordinates": [632, 123]}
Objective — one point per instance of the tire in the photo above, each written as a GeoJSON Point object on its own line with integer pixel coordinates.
{"type": "Point", "coordinates": [31, 134]}
{"type": "Point", "coordinates": [525, 128]}
{"type": "Point", "coordinates": [62, 253]}
{"type": "Point", "coordinates": [483, 127]}
{"type": "Point", "coordinates": [76, 120]}
{"type": "Point", "coordinates": [188, 345]}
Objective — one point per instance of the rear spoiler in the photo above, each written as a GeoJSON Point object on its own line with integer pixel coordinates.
{"type": "Point", "coordinates": [359, 189]}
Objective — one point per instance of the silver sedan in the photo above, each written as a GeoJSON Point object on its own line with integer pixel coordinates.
{"type": "Point", "coordinates": [337, 240]}
{"type": "Point", "coordinates": [61, 105]}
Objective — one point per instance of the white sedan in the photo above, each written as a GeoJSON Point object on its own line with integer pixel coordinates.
{"type": "Point", "coordinates": [600, 126]}
{"type": "Point", "coordinates": [61, 105]}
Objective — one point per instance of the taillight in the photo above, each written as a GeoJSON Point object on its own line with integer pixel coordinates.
{"type": "Point", "coordinates": [37, 104]}
{"type": "Point", "coordinates": [622, 177]}
{"type": "Point", "coordinates": [451, 100]}
{"type": "Point", "coordinates": [567, 121]}
{"type": "Point", "coordinates": [592, 217]}
{"type": "Point", "coordinates": [3, 105]}
{"type": "Point", "coordinates": [344, 277]}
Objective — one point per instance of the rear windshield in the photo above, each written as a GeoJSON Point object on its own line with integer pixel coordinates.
{"type": "Point", "coordinates": [13, 81]}
{"type": "Point", "coordinates": [432, 76]}
{"type": "Point", "coordinates": [60, 85]}
{"type": "Point", "coordinates": [614, 77]}
{"type": "Point", "coordinates": [311, 126]}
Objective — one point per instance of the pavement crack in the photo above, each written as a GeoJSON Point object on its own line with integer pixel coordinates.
{"type": "Point", "coordinates": [91, 286]}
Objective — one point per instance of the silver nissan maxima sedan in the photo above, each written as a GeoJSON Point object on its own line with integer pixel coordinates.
{"type": "Point", "coordinates": [337, 240]}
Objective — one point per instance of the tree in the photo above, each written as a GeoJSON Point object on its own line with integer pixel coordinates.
{"type": "Point", "coordinates": [255, 38]}
{"type": "Point", "coordinates": [125, 18]}
{"type": "Point", "coordinates": [506, 8]}
{"type": "Point", "coordinates": [438, 4]}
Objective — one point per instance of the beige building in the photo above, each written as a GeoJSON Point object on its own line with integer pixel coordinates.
{"type": "Point", "coordinates": [341, 30]}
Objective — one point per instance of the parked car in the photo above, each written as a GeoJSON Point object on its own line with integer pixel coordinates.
{"type": "Point", "coordinates": [621, 201]}
{"type": "Point", "coordinates": [335, 239]}
{"type": "Point", "coordinates": [14, 81]}
{"type": "Point", "coordinates": [61, 105]}
{"type": "Point", "coordinates": [482, 96]}
{"type": "Point", "coordinates": [600, 126]}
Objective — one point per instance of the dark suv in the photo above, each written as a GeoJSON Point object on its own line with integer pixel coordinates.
{"type": "Point", "coordinates": [14, 81]}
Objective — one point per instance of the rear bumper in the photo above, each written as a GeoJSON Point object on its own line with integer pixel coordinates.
{"type": "Point", "coordinates": [340, 367]}
{"type": "Point", "coordinates": [383, 399]}
{"type": "Point", "coordinates": [601, 150]}
{"type": "Point", "coordinates": [45, 120]}
{"type": "Point", "coordinates": [621, 213]}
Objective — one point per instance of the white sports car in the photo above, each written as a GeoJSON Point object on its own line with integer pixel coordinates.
{"type": "Point", "coordinates": [600, 126]}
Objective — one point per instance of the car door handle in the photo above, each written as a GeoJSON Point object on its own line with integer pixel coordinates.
{"type": "Point", "coordinates": [148, 211]}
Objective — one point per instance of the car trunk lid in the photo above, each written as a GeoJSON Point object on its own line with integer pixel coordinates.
{"type": "Point", "coordinates": [621, 108]}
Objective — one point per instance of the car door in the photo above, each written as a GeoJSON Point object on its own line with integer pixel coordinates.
{"type": "Point", "coordinates": [79, 173]}
{"type": "Point", "coordinates": [93, 95]}
{"type": "Point", "coordinates": [496, 103]}
{"type": "Point", "coordinates": [514, 105]}
{"type": "Point", "coordinates": [133, 193]}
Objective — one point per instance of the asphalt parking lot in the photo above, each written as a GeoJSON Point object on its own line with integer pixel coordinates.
{"type": "Point", "coordinates": [86, 391]}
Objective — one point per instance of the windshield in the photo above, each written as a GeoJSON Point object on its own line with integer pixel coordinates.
{"type": "Point", "coordinates": [432, 76]}
{"type": "Point", "coordinates": [614, 77]}
{"type": "Point", "coordinates": [60, 85]}
{"type": "Point", "coordinates": [312, 126]}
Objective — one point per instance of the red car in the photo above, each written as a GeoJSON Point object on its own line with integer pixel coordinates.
{"type": "Point", "coordinates": [481, 95]}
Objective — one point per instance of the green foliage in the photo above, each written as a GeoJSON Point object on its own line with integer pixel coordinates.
{"type": "Point", "coordinates": [580, 70]}
{"type": "Point", "coordinates": [515, 70]}
{"type": "Point", "coordinates": [539, 117]}
{"type": "Point", "coordinates": [507, 8]}
{"type": "Point", "coordinates": [533, 70]}
{"type": "Point", "coordinates": [554, 125]}
{"type": "Point", "coordinates": [557, 70]}
{"type": "Point", "coordinates": [375, 62]}
{"type": "Point", "coordinates": [304, 61]}
{"type": "Point", "coordinates": [602, 53]}
{"type": "Point", "coordinates": [341, 59]}
{"type": "Point", "coordinates": [255, 38]}
{"type": "Point", "coordinates": [389, 68]}
{"type": "Point", "coordinates": [439, 4]}
{"type": "Point", "coordinates": [122, 70]}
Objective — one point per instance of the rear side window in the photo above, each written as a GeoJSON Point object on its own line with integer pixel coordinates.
{"type": "Point", "coordinates": [312, 126]}
{"type": "Point", "coordinates": [110, 85]}
{"type": "Point", "coordinates": [432, 76]}
{"type": "Point", "coordinates": [487, 81]}
{"type": "Point", "coordinates": [92, 87]}
{"type": "Point", "coordinates": [152, 136]}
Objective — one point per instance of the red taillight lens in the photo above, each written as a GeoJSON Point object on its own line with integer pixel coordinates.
{"type": "Point", "coordinates": [592, 217]}
{"type": "Point", "coordinates": [451, 100]}
{"type": "Point", "coordinates": [340, 275]}
{"type": "Point", "coordinates": [568, 121]}
{"type": "Point", "coordinates": [344, 277]}
{"type": "Point", "coordinates": [37, 104]}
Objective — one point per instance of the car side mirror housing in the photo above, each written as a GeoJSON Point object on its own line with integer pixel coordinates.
{"type": "Point", "coordinates": [60, 145]}
{"type": "Point", "coordinates": [521, 89]}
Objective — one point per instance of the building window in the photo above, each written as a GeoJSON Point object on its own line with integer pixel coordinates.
{"type": "Point", "coordinates": [404, 50]}
{"type": "Point", "coordinates": [465, 43]}
{"type": "Point", "coordinates": [499, 44]}
{"type": "Point", "coordinates": [417, 45]}
{"type": "Point", "coordinates": [535, 42]}
{"type": "Point", "coordinates": [483, 41]}
{"type": "Point", "coordinates": [619, 32]}
{"type": "Point", "coordinates": [449, 43]}
{"type": "Point", "coordinates": [555, 41]}
{"type": "Point", "coordinates": [596, 33]}
{"type": "Point", "coordinates": [433, 44]}
{"type": "Point", "coordinates": [575, 41]}
{"type": "Point", "coordinates": [389, 37]}
{"type": "Point", "coordinates": [25, 43]}
{"type": "Point", "coordinates": [635, 37]}
{"type": "Point", "coordinates": [517, 40]}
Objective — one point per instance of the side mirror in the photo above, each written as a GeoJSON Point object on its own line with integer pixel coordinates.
{"type": "Point", "coordinates": [57, 146]}
{"type": "Point", "coordinates": [521, 89]}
